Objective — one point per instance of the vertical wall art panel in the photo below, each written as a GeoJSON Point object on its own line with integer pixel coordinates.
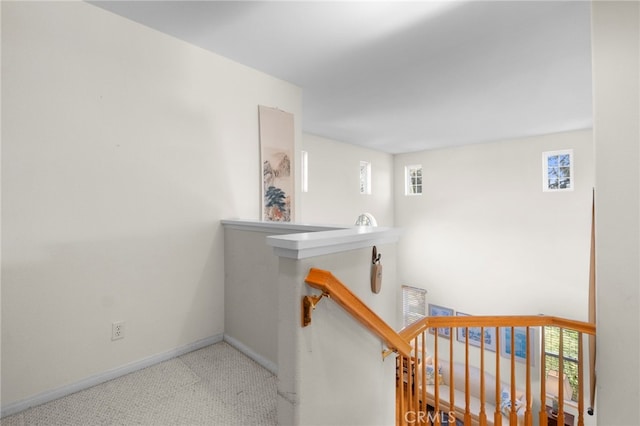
{"type": "Point", "coordinates": [276, 155]}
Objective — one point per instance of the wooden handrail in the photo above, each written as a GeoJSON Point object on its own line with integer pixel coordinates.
{"type": "Point", "coordinates": [338, 292]}
{"type": "Point", "coordinates": [418, 327]}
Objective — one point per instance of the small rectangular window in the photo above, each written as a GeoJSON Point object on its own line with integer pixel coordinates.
{"type": "Point", "coordinates": [414, 304]}
{"type": "Point", "coordinates": [557, 171]}
{"type": "Point", "coordinates": [365, 177]}
{"type": "Point", "coordinates": [413, 180]}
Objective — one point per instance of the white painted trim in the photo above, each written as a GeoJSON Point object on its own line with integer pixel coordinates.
{"type": "Point", "coordinates": [300, 241]}
{"type": "Point", "coordinates": [105, 376]}
{"type": "Point", "coordinates": [264, 362]}
{"type": "Point", "coordinates": [305, 245]}
{"type": "Point", "coordinates": [276, 227]}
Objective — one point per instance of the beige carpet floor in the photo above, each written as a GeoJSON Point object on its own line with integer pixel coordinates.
{"type": "Point", "coordinates": [216, 385]}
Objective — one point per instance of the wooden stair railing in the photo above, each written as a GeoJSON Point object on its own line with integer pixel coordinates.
{"type": "Point", "coordinates": [425, 402]}
{"type": "Point", "coordinates": [339, 293]}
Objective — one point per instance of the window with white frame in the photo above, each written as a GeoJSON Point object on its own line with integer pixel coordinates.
{"type": "Point", "coordinates": [414, 304]}
{"type": "Point", "coordinates": [557, 171]}
{"type": "Point", "coordinates": [365, 177]}
{"type": "Point", "coordinates": [569, 354]}
{"type": "Point", "coordinates": [413, 180]}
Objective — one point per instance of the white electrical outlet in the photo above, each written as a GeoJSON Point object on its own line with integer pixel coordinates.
{"type": "Point", "coordinates": [117, 330]}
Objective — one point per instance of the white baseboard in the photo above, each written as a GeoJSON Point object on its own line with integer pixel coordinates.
{"type": "Point", "coordinates": [91, 381]}
{"type": "Point", "coordinates": [269, 365]}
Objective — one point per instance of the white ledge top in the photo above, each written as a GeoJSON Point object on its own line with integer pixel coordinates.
{"type": "Point", "coordinates": [300, 241]}
{"type": "Point", "coordinates": [277, 227]}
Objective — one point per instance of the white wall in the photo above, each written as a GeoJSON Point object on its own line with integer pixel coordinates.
{"type": "Point", "coordinates": [334, 192]}
{"type": "Point", "coordinates": [251, 295]}
{"type": "Point", "coordinates": [332, 372]}
{"type": "Point", "coordinates": [486, 240]}
{"type": "Point", "coordinates": [616, 67]}
{"type": "Point", "coordinates": [251, 287]}
{"type": "Point", "coordinates": [122, 150]}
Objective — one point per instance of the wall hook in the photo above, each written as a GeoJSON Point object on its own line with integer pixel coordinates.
{"type": "Point", "coordinates": [375, 256]}
{"type": "Point", "coordinates": [376, 271]}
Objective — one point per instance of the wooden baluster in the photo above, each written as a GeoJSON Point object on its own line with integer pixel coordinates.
{"type": "Point", "coordinates": [423, 371]}
{"type": "Point", "coordinates": [451, 381]}
{"type": "Point", "coordinates": [483, 398]}
{"type": "Point", "coordinates": [407, 384]}
{"type": "Point", "coordinates": [399, 390]}
{"type": "Point", "coordinates": [436, 403]}
{"type": "Point", "coordinates": [580, 382]}
{"type": "Point", "coordinates": [543, 380]}
{"type": "Point", "coordinates": [513, 414]}
{"type": "Point", "coordinates": [407, 389]}
{"type": "Point", "coordinates": [527, 408]}
{"type": "Point", "coordinates": [452, 389]}
{"type": "Point", "coordinates": [416, 377]}
{"type": "Point", "coordinates": [467, 390]}
{"type": "Point", "coordinates": [423, 377]}
{"type": "Point", "coordinates": [397, 395]}
{"type": "Point", "coordinates": [497, 416]}
{"type": "Point", "coordinates": [415, 393]}
{"type": "Point", "coordinates": [410, 386]}
{"type": "Point", "coordinates": [561, 378]}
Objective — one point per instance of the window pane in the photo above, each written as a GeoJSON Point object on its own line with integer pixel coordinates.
{"type": "Point", "coordinates": [365, 177]}
{"type": "Point", "coordinates": [414, 305]}
{"type": "Point", "coordinates": [570, 354]}
{"type": "Point", "coordinates": [557, 170]}
{"type": "Point", "coordinates": [413, 180]}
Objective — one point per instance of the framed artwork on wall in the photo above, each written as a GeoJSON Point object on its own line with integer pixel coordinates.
{"type": "Point", "coordinates": [440, 311]}
{"type": "Point", "coordinates": [520, 343]}
{"type": "Point", "coordinates": [276, 158]}
{"type": "Point", "coordinates": [475, 335]}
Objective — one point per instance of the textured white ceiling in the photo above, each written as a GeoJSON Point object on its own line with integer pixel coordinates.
{"type": "Point", "coordinates": [404, 76]}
